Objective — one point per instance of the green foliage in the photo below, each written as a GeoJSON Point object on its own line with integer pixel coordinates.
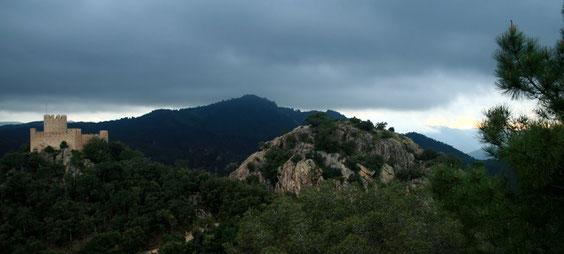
{"type": "Point", "coordinates": [263, 145]}
{"type": "Point", "coordinates": [290, 142]}
{"type": "Point", "coordinates": [251, 166]}
{"type": "Point", "coordinates": [316, 119]}
{"type": "Point", "coordinates": [326, 172]}
{"type": "Point", "coordinates": [381, 125]}
{"type": "Point", "coordinates": [117, 205]}
{"type": "Point", "coordinates": [363, 125]}
{"type": "Point", "coordinates": [526, 69]}
{"type": "Point", "coordinates": [437, 146]}
{"type": "Point", "coordinates": [409, 173]}
{"type": "Point", "coordinates": [387, 134]}
{"type": "Point", "coordinates": [355, 179]}
{"type": "Point", "coordinates": [349, 219]}
{"type": "Point", "coordinates": [331, 173]}
{"type": "Point", "coordinates": [525, 215]}
{"type": "Point", "coordinates": [97, 150]}
{"type": "Point", "coordinates": [374, 162]}
{"type": "Point", "coordinates": [483, 205]}
{"type": "Point", "coordinates": [327, 139]}
{"type": "Point", "coordinates": [296, 158]}
{"type": "Point", "coordinates": [231, 167]}
{"type": "Point", "coordinates": [275, 157]}
{"type": "Point", "coordinates": [63, 145]}
{"type": "Point", "coordinates": [449, 159]}
{"type": "Point", "coordinates": [351, 163]}
{"type": "Point", "coordinates": [49, 149]}
{"type": "Point", "coordinates": [304, 137]}
{"type": "Point", "coordinates": [427, 155]}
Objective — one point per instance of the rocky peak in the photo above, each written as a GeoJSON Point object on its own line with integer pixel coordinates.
{"type": "Point", "coordinates": [337, 150]}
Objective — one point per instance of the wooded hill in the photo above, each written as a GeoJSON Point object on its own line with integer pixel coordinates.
{"type": "Point", "coordinates": [208, 137]}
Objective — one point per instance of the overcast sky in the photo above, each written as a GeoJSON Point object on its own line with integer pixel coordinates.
{"type": "Point", "coordinates": [416, 64]}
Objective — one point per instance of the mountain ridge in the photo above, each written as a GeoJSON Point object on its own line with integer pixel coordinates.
{"type": "Point", "coordinates": [433, 144]}
{"type": "Point", "coordinates": [204, 137]}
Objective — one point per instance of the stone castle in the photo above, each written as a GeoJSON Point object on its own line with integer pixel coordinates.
{"type": "Point", "coordinates": [55, 131]}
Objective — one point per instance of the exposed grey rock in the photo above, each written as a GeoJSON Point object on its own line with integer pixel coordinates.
{"type": "Point", "coordinates": [298, 171]}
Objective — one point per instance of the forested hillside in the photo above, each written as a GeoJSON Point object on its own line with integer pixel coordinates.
{"type": "Point", "coordinates": [438, 146]}
{"type": "Point", "coordinates": [111, 199]}
{"type": "Point", "coordinates": [208, 137]}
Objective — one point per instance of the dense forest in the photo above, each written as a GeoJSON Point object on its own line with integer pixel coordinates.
{"type": "Point", "coordinates": [110, 199]}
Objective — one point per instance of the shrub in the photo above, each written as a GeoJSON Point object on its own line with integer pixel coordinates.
{"type": "Point", "coordinates": [373, 162]}
{"type": "Point", "coordinates": [409, 174]}
{"type": "Point", "coordinates": [49, 149]}
{"type": "Point", "coordinates": [291, 141]}
{"type": "Point", "coordinates": [63, 145]}
{"type": "Point", "coordinates": [263, 146]}
{"type": "Point", "coordinates": [355, 179]}
{"type": "Point", "coordinates": [297, 158]}
{"type": "Point", "coordinates": [251, 166]}
{"type": "Point", "coordinates": [387, 134]}
{"type": "Point", "coordinates": [330, 172]}
{"type": "Point", "coordinates": [381, 125]}
{"type": "Point", "coordinates": [427, 155]}
{"type": "Point", "coordinates": [275, 157]}
{"type": "Point", "coordinates": [316, 119]}
{"type": "Point", "coordinates": [97, 150]}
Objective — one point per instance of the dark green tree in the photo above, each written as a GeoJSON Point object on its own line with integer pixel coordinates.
{"type": "Point", "coordinates": [97, 150]}
{"type": "Point", "coordinates": [527, 69]}
{"type": "Point", "coordinates": [526, 214]}
{"type": "Point", "coordinates": [381, 125]}
{"type": "Point", "coordinates": [63, 145]}
{"type": "Point", "coordinates": [316, 119]}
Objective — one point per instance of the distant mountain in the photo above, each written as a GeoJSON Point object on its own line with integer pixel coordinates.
{"type": "Point", "coordinates": [8, 123]}
{"type": "Point", "coordinates": [429, 143]}
{"type": "Point", "coordinates": [206, 137]}
{"type": "Point", "coordinates": [493, 166]}
{"type": "Point", "coordinates": [464, 140]}
{"type": "Point", "coordinates": [479, 154]}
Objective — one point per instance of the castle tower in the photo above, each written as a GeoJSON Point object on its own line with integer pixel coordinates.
{"type": "Point", "coordinates": [52, 123]}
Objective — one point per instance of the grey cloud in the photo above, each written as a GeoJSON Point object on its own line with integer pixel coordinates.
{"type": "Point", "coordinates": [306, 54]}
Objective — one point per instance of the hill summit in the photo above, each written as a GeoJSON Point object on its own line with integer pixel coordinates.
{"type": "Point", "coordinates": [347, 151]}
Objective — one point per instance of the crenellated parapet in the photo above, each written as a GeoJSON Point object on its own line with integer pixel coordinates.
{"type": "Point", "coordinates": [54, 123]}
{"type": "Point", "coordinates": [55, 131]}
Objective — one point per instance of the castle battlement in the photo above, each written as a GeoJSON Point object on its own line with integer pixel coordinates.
{"type": "Point", "coordinates": [55, 131]}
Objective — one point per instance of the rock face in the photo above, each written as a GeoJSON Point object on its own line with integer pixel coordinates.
{"type": "Point", "coordinates": [296, 159]}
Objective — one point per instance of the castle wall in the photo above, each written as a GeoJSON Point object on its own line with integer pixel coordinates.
{"type": "Point", "coordinates": [39, 140]}
{"type": "Point", "coordinates": [55, 132]}
{"type": "Point", "coordinates": [86, 137]}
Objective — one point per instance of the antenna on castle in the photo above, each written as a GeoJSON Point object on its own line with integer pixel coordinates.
{"type": "Point", "coordinates": [46, 108]}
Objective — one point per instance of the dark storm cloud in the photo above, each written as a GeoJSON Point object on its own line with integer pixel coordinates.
{"type": "Point", "coordinates": [307, 54]}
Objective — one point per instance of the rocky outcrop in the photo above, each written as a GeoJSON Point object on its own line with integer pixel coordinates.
{"type": "Point", "coordinates": [294, 160]}
{"type": "Point", "coordinates": [64, 157]}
